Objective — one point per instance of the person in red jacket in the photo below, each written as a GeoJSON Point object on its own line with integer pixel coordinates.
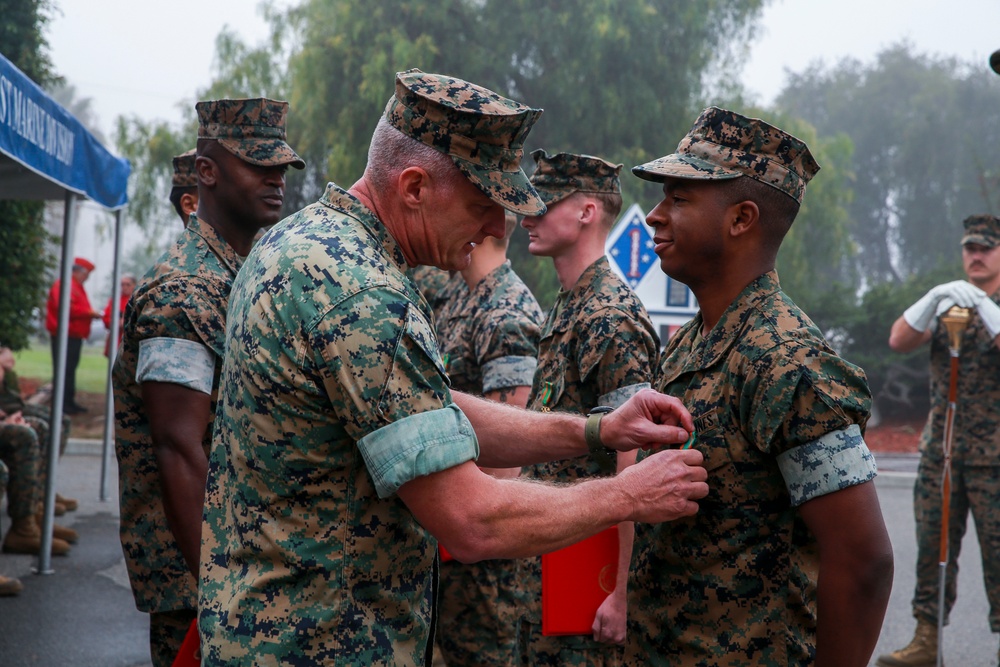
{"type": "Point", "coordinates": [81, 313]}
{"type": "Point", "coordinates": [128, 286]}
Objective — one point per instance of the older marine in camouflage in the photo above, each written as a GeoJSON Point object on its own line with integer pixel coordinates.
{"type": "Point", "coordinates": [335, 396]}
{"type": "Point", "coordinates": [310, 379]}
{"type": "Point", "coordinates": [489, 337]}
{"type": "Point", "coordinates": [598, 347]}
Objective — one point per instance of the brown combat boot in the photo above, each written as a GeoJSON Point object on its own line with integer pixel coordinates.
{"type": "Point", "coordinates": [60, 532]}
{"type": "Point", "coordinates": [69, 504]}
{"type": "Point", "coordinates": [9, 586]}
{"type": "Point", "coordinates": [25, 537]}
{"type": "Point", "coordinates": [921, 652]}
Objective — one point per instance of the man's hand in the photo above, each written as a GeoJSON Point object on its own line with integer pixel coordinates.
{"type": "Point", "coordinates": [960, 292]}
{"type": "Point", "coordinates": [611, 620]}
{"type": "Point", "coordinates": [665, 486]}
{"type": "Point", "coordinates": [989, 313]}
{"type": "Point", "coordinates": [649, 420]}
{"type": "Point", "coordinates": [15, 418]}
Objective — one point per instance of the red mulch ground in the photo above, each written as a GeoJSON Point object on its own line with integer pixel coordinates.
{"type": "Point", "coordinates": [895, 435]}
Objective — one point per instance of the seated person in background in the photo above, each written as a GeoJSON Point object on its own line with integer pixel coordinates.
{"type": "Point", "coordinates": [8, 585]}
{"type": "Point", "coordinates": [20, 452]}
{"type": "Point", "coordinates": [38, 417]}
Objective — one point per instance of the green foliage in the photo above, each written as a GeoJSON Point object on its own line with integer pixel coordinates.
{"type": "Point", "coordinates": [239, 71]}
{"type": "Point", "coordinates": [622, 79]}
{"type": "Point", "coordinates": [22, 38]}
{"type": "Point", "coordinates": [24, 267]}
{"type": "Point", "coordinates": [815, 262]}
{"type": "Point", "coordinates": [924, 131]}
{"type": "Point", "coordinates": [150, 148]}
{"type": "Point", "coordinates": [619, 79]}
{"type": "Point", "coordinates": [24, 262]}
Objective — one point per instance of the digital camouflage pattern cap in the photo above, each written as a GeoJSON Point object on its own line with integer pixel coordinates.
{"type": "Point", "coordinates": [724, 144]}
{"type": "Point", "coordinates": [482, 132]}
{"type": "Point", "coordinates": [558, 176]}
{"type": "Point", "coordinates": [982, 230]}
{"type": "Point", "coordinates": [184, 174]}
{"type": "Point", "coordinates": [252, 130]}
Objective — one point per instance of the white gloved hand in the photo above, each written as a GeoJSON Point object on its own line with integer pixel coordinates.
{"type": "Point", "coordinates": [989, 311]}
{"type": "Point", "coordinates": [922, 313]}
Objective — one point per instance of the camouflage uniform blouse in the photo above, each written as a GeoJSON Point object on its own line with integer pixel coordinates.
{"type": "Point", "coordinates": [598, 347]}
{"type": "Point", "coordinates": [490, 338]}
{"type": "Point", "coordinates": [333, 395]}
{"type": "Point", "coordinates": [174, 331]}
{"type": "Point", "coordinates": [977, 418]}
{"type": "Point", "coordinates": [778, 417]}
{"type": "Point", "coordinates": [431, 281]}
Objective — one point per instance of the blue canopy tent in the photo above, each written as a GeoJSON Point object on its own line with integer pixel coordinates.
{"type": "Point", "coordinates": [45, 153]}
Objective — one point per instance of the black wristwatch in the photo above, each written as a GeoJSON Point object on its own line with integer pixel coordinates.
{"type": "Point", "coordinates": [604, 456]}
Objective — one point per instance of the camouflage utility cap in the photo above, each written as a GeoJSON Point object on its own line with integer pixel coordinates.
{"type": "Point", "coordinates": [558, 176]}
{"type": "Point", "coordinates": [982, 230]}
{"type": "Point", "coordinates": [482, 132]}
{"type": "Point", "coordinates": [723, 144]}
{"type": "Point", "coordinates": [184, 174]}
{"type": "Point", "coordinates": [252, 130]}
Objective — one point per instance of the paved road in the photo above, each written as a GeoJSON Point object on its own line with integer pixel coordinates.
{"type": "Point", "coordinates": [83, 614]}
{"type": "Point", "coordinates": [968, 641]}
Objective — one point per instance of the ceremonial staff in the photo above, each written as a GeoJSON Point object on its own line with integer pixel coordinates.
{"type": "Point", "coordinates": [955, 320]}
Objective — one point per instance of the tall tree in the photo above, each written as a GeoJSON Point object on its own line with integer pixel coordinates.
{"type": "Point", "coordinates": [815, 263]}
{"type": "Point", "coordinates": [924, 131]}
{"type": "Point", "coordinates": [617, 78]}
{"type": "Point", "coordinates": [239, 70]}
{"type": "Point", "coordinates": [24, 262]}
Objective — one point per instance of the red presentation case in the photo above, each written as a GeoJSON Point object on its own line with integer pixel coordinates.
{"type": "Point", "coordinates": [190, 653]}
{"type": "Point", "coordinates": [575, 581]}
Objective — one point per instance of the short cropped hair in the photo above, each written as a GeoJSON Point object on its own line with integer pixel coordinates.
{"type": "Point", "coordinates": [391, 151]}
{"type": "Point", "coordinates": [175, 198]}
{"type": "Point", "coordinates": [777, 209]}
{"type": "Point", "coordinates": [611, 202]}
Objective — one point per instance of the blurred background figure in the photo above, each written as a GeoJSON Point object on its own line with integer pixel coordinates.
{"type": "Point", "coordinates": [81, 314]}
{"type": "Point", "coordinates": [128, 286]}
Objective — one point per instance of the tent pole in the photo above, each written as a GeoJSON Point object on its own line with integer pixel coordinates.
{"type": "Point", "coordinates": [109, 396]}
{"type": "Point", "coordinates": [59, 386]}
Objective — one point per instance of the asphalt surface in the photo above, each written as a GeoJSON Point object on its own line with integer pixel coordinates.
{"type": "Point", "coordinates": [82, 615]}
